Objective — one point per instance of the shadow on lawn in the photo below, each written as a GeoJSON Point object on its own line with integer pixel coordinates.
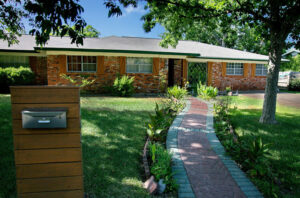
{"type": "Point", "coordinates": [112, 142]}
{"type": "Point", "coordinates": [283, 139]}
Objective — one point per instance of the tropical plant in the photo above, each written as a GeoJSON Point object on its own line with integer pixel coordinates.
{"type": "Point", "coordinates": [206, 92]}
{"type": "Point", "coordinates": [154, 134]}
{"type": "Point", "coordinates": [176, 92]}
{"type": "Point", "coordinates": [123, 86]}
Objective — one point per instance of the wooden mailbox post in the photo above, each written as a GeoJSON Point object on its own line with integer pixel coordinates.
{"type": "Point", "coordinates": [48, 161]}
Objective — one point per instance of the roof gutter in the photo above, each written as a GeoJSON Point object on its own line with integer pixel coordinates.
{"type": "Point", "coordinates": [241, 59]}
{"type": "Point", "coordinates": [117, 51]}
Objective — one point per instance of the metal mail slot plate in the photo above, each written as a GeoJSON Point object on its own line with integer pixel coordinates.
{"type": "Point", "coordinates": [44, 118]}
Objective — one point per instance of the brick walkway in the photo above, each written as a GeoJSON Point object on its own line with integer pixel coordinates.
{"type": "Point", "coordinates": [200, 165]}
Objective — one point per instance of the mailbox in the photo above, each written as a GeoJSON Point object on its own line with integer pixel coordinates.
{"type": "Point", "coordinates": [44, 118]}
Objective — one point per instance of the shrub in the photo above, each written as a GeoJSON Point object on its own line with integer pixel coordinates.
{"type": "Point", "coordinates": [294, 85]}
{"type": "Point", "coordinates": [176, 92]}
{"type": "Point", "coordinates": [161, 166]}
{"type": "Point", "coordinates": [15, 76]}
{"type": "Point", "coordinates": [206, 92]}
{"type": "Point", "coordinates": [123, 86]}
{"type": "Point", "coordinates": [159, 123]}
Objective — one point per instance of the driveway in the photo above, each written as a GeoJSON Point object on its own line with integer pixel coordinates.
{"type": "Point", "coordinates": [283, 98]}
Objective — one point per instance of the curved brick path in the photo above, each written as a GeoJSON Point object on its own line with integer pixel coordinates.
{"type": "Point", "coordinates": [200, 165]}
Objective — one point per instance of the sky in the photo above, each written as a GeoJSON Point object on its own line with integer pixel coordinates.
{"type": "Point", "coordinates": [129, 24]}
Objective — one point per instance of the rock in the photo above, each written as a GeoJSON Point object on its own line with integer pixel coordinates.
{"type": "Point", "coordinates": [151, 185]}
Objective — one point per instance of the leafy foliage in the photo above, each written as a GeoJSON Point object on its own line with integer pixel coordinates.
{"type": "Point", "coordinates": [159, 123]}
{"type": "Point", "coordinates": [206, 92]}
{"type": "Point", "coordinates": [176, 92]}
{"type": "Point", "coordinates": [15, 76]}
{"type": "Point", "coordinates": [292, 65]}
{"type": "Point", "coordinates": [294, 85]}
{"type": "Point", "coordinates": [80, 81]}
{"type": "Point", "coordinates": [88, 31]}
{"type": "Point", "coordinates": [45, 17]}
{"type": "Point", "coordinates": [123, 86]}
{"type": "Point", "coordinates": [161, 167]}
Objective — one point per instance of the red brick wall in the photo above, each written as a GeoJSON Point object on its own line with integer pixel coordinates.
{"type": "Point", "coordinates": [144, 83]}
{"type": "Point", "coordinates": [39, 67]}
{"type": "Point", "coordinates": [217, 77]}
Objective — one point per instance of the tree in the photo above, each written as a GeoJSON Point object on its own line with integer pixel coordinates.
{"type": "Point", "coordinates": [292, 65]}
{"type": "Point", "coordinates": [233, 35]}
{"type": "Point", "coordinates": [45, 17]}
{"type": "Point", "coordinates": [88, 31]}
{"type": "Point", "coordinates": [272, 20]}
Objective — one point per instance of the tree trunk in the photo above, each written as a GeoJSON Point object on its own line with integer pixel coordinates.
{"type": "Point", "coordinates": [269, 107]}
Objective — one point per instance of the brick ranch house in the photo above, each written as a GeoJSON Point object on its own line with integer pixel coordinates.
{"type": "Point", "coordinates": [103, 58]}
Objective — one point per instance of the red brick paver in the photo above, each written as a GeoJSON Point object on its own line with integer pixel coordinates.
{"type": "Point", "coordinates": [207, 174]}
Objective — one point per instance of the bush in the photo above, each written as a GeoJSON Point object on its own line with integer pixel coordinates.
{"type": "Point", "coordinates": [161, 166]}
{"type": "Point", "coordinates": [123, 86]}
{"type": "Point", "coordinates": [294, 85]}
{"type": "Point", "coordinates": [176, 92]}
{"type": "Point", "coordinates": [10, 76]}
{"type": "Point", "coordinates": [206, 92]}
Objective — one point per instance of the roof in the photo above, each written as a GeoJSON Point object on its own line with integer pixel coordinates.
{"type": "Point", "coordinates": [133, 45]}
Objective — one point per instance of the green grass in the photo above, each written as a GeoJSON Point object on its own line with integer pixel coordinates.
{"type": "Point", "coordinates": [113, 136]}
{"type": "Point", "coordinates": [284, 138]}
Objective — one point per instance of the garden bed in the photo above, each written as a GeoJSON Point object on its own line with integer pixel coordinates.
{"type": "Point", "coordinates": [267, 153]}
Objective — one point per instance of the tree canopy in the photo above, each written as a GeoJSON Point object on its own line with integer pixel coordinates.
{"type": "Point", "coordinates": [45, 17]}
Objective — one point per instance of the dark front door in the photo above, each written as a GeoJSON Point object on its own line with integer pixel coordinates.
{"type": "Point", "coordinates": [171, 73]}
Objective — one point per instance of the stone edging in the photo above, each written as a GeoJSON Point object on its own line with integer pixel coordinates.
{"type": "Point", "coordinates": [185, 190]}
{"type": "Point", "coordinates": [237, 174]}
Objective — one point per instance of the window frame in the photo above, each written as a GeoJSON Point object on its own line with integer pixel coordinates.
{"type": "Point", "coordinates": [139, 72]}
{"type": "Point", "coordinates": [234, 69]}
{"type": "Point", "coordinates": [262, 69]}
{"type": "Point", "coordinates": [82, 71]}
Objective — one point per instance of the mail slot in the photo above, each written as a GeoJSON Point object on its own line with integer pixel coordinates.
{"type": "Point", "coordinates": [44, 118]}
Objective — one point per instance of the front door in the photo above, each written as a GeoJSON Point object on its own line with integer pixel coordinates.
{"type": "Point", "coordinates": [197, 72]}
{"type": "Point", "coordinates": [171, 73]}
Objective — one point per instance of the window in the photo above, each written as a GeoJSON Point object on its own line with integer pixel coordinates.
{"type": "Point", "coordinates": [261, 70]}
{"type": "Point", "coordinates": [14, 61]}
{"type": "Point", "coordinates": [82, 63]}
{"type": "Point", "coordinates": [139, 65]}
{"type": "Point", "coordinates": [234, 69]}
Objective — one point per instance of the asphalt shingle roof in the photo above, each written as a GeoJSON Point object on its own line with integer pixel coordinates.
{"type": "Point", "coordinates": [27, 42]}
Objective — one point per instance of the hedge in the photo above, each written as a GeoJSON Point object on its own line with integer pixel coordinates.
{"type": "Point", "coordinates": [15, 76]}
{"type": "Point", "coordinates": [294, 85]}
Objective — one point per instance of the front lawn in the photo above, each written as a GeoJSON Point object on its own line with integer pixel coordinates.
{"type": "Point", "coordinates": [113, 136]}
{"type": "Point", "coordinates": [284, 140]}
